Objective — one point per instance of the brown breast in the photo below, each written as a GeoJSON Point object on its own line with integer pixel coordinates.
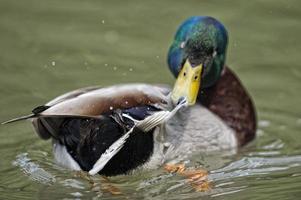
{"type": "Point", "coordinates": [230, 101]}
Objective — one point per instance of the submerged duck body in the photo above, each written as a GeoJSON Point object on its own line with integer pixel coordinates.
{"type": "Point", "coordinates": [84, 123]}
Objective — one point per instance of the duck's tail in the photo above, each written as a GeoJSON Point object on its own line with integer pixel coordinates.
{"type": "Point", "coordinates": [19, 118]}
{"type": "Point", "coordinates": [35, 112]}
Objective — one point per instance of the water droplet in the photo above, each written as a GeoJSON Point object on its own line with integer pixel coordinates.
{"type": "Point", "coordinates": [131, 69]}
{"type": "Point", "coordinates": [53, 63]}
{"type": "Point", "coordinates": [102, 21]}
{"type": "Point", "coordinates": [264, 123]}
{"type": "Point", "coordinates": [111, 108]}
{"type": "Point", "coordinates": [106, 64]}
{"type": "Point", "coordinates": [126, 102]}
{"type": "Point", "coordinates": [260, 132]}
{"type": "Point", "coordinates": [157, 56]}
{"type": "Point", "coordinates": [114, 68]}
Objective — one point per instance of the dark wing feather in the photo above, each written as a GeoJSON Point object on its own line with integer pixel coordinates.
{"type": "Point", "coordinates": [86, 139]}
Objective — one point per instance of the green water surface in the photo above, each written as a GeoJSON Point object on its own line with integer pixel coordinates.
{"type": "Point", "coordinates": [50, 47]}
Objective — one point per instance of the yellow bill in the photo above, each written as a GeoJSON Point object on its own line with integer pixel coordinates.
{"type": "Point", "coordinates": [187, 84]}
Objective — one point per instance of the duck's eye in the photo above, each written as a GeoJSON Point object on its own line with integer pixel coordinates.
{"type": "Point", "coordinates": [195, 77]}
{"type": "Point", "coordinates": [184, 74]}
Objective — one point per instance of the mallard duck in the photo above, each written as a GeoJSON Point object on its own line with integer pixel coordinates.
{"type": "Point", "coordinates": [83, 124]}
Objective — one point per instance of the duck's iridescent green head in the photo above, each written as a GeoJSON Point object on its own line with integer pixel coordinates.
{"type": "Point", "coordinates": [199, 48]}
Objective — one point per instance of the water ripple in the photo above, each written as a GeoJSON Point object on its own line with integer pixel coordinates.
{"type": "Point", "coordinates": [33, 170]}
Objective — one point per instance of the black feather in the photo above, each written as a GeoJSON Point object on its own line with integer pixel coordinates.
{"type": "Point", "coordinates": [19, 119]}
{"type": "Point", "coordinates": [86, 139]}
{"type": "Point", "coordinates": [35, 112]}
{"type": "Point", "coordinates": [39, 109]}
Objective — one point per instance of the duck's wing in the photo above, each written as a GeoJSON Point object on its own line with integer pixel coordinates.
{"type": "Point", "coordinates": [92, 102]}
{"type": "Point", "coordinates": [231, 102]}
{"type": "Point", "coordinates": [90, 124]}
{"type": "Point", "coordinates": [72, 94]}
{"type": "Point", "coordinates": [59, 99]}
{"type": "Point", "coordinates": [95, 101]}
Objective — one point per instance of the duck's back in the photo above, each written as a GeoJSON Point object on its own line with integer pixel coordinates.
{"type": "Point", "coordinates": [84, 123]}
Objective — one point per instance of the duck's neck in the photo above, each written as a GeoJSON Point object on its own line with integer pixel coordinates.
{"type": "Point", "coordinates": [206, 95]}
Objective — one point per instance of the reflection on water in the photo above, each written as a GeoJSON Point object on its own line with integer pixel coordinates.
{"type": "Point", "coordinates": [50, 47]}
{"type": "Point", "coordinates": [33, 170]}
{"type": "Point", "coordinates": [229, 179]}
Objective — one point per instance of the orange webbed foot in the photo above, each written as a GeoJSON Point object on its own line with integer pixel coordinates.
{"type": "Point", "coordinates": [198, 178]}
{"type": "Point", "coordinates": [109, 187]}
